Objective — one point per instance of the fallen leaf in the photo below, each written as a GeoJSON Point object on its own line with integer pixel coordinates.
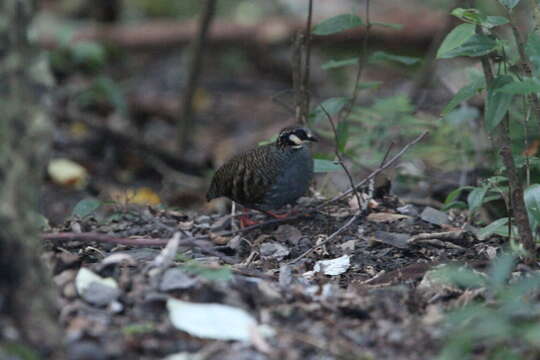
{"type": "Point", "coordinates": [333, 267]}
{"type": "Point", "coordinates": [211, 321]}
{"type": "Point", "coordinates": [67, 173]}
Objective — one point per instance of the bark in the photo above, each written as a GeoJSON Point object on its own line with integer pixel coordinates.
{"type": "Point", "coordinates": [25, 306]}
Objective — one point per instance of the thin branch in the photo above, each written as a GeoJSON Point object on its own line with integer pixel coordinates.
{"type": "Point", "coordinates": [185, 121]}
{"type": "Point", "coordinates": [307, 57]}
{"type": "Point", "coordinates": [340, 158]}
{"type": "Point", "coordinates": [204, 246]}
{"type": "Point", "coordinates": [526, 64]}
{"type": "Point", "coordinates": [362, 60]}
{"type": "Point", "coordinates": [503, 142]}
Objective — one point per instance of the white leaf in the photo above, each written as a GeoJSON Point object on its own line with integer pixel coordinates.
{"type": "Point", "coordinates": [86, 277]}
{"type": "Point", "coordinates": [333, 267]}
{"type": "Point", "coordinates": [211, 321]}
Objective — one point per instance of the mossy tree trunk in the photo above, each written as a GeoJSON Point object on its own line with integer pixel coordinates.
{"type": "Point", "coordinates": [27, 314]}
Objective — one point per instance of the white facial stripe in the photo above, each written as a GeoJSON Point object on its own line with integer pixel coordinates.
{"type": "Point", "coordinates": [295, 139]}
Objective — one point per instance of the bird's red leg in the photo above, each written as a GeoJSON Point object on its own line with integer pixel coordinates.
{"type": "Point", "coordinates": [245, 221]}
{"type": "Point", "coordinates": [281, 216]}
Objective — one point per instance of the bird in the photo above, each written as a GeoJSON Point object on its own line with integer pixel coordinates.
{"type": "Point", "coordinates": [270, 176]}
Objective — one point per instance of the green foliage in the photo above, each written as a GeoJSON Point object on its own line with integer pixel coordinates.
{"type": "Point", "coordinates": [324, 165]}
{"type": "Point", "coordinates": [332, 64]}
{"type": "Point", "coordinates": [502, 324]}
{"type": "Point", "coordinates": [532, 202]}
{"type": "Point", "coordinates": [378, 56]}
{"type": "Point", "coordinates": [497, 102]}
{"type": "Point", "coordinates": [476, 45]}
{"type": "Point", "coordinates": [332, 106]}
{"type": "Point", "coordinates": [465, 93]}
{"type": "Point", "coordinates": [337, 24]}
{"type": "Point", "coordinates": [86, 207]}
{"type": "Point", "coordinates": [510, 4]}
{"type": "Point", "coordinates": [103, 94]}
{"type": "Point", "coordinates": [221, 273]}
{"type": "Point", "coordinates": [17, 351]}
{"type": "Point", "coordinates": [520, 87]}
{"type": "Point", "coordinates": [455, 39]}
{"type": "Point", "coordinates": [86, 56]}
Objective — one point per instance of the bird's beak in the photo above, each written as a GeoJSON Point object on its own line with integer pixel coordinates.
{"type": "Point", "coordinates": [312, 138]}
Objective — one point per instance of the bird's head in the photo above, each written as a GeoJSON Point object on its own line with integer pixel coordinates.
{"type": "Point", "coordinates": [294, 137]}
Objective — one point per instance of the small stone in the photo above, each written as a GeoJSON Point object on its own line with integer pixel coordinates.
{"type": "Point", "coordinates": [274, 250]}
{"type": "Point", "coordinates": [408, 209]}
{"type": "Point", "coordinates": [287, 234]}
{"type": "Point", "coordinates": [434, 216]}
{"type": "Point", "coordinates": [394, 239]}
{"type": "Point", "coordinates": [203, 219]}
{"type": "Point", "coordinates": [99, 294]}
{"type": "Point", "coordinates": [176, 279]}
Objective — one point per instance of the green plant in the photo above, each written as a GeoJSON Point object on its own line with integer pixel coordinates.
{"type": "Point", "coordinates": [504, 323]}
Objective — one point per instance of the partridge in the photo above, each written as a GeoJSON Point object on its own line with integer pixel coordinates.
{"type": "Point", "coordinates": [268, 177]}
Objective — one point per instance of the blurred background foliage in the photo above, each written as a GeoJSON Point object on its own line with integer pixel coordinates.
{"type": "Point", "coordinates": [127, 94]}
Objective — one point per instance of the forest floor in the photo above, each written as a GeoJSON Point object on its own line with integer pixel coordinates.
{"type": "Point", "coordinates": [374, 301]}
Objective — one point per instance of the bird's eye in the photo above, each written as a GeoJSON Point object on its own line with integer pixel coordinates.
{"type": "Point", "coordinates": [301, 133]}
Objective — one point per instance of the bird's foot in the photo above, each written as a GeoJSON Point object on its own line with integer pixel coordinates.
{"type": "Point", "coordinates": [245, 221]}
{"type": "Point", "coordinates": [281, 216]}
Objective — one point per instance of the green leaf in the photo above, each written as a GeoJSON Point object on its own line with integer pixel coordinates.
{"type": "Point", "coordinates": [476, 197]}
{"type": "Point", "coordinates": [337, 24]}
{"type": "Point", "coordinates": [532, 48]}
{"type": "Point", "coordinates": [532, 203]}
{"type": "Point", "coordinates": [476, 45]}
{"type": "Point", "coordinates": [369, 84]}
{"type": "Point", "coordinates": [388, 25]}
{"type": "Point", "coordinates": [460, 276]}
{"type": "Point", "coordinates": [525, 86]}
{"type": "Point", "coordinates": [86, 207]}
{"type": "Point", "coordinates": [384, 56]}
{"type": "Point", "coordinates": [493, 228]}
{"type": "Point", "coordinates": [509, 4]}
{"type": "Point", "coordinates": [332, 107]}
{"type": "Point", "coordinates": [332, 64]}
{"type": "Point", "coordinates": [221, 273]}
{"type": "Point", "coordinates": [342, 132]}
{"type": "Point", "coordinates": [322, 165]}
{"type": "Point", "coordinates": [500, 269]}
{"type": "Point", "coordinates": [455, 38]}
{"type": "Point", "coordinates": [492, 21]}
{"type": "Point", "coordinates": [455, 193]}
{"type": "Point", "coordinates": [497, 103]}
{"type": "Point", "coordinates": [464, 94]}
{"type": "Point", "coordinates": [472, 16]}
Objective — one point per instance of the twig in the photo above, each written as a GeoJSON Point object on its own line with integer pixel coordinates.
{"type": "Point", "coordinates": [387, 153]}
{"type": "Point", "coordinates": [340, 158]}
{"type": "Point", "coordinates": [362, 60]}
{"type": "Point", "coordinates": [376, 171]}
{"type": "Point", "coordinates": [503, 142]}
{"type": "Point", "coordinates": [185, 121]}
{"type": "Point", "coordinates": [307, 57]}
{"type": "Point", "coordinates": [525, 61]}
{"type": "Point", "coordinates": [329, 238]}
{"type": "Point", "coordinates": [204, 246]}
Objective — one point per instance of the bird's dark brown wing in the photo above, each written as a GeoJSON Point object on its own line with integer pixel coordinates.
{"type": "Point", "coordinates": [247, 177]}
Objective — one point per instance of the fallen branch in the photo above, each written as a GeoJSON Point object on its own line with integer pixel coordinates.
{"type": "Point", "coordinates": [417, 31]}
{"type": "Point", "coordinates": [200, 244]}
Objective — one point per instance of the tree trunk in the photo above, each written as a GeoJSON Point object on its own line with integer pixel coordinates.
{"type": "Point", "coordinates": [26, 311]}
